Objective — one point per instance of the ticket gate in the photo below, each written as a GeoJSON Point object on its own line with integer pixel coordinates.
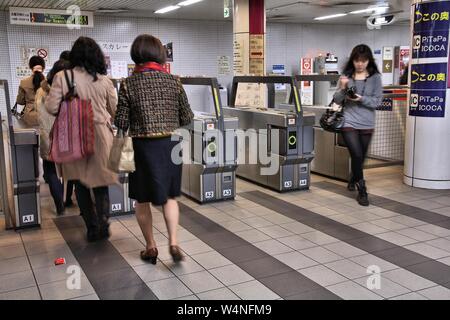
{"type": "Point", "coordinates": [119, 201]}
{"type": "Point", "coordinates": [20, 171]}
{"type": "Point", "coordinates": [331, 155]}
{"type": "Point", "coordinates": [209, 168]}
{"type": "Point", "coordinates": [292, 149]}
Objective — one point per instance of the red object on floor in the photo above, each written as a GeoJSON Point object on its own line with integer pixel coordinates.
{"type": "Point", "coordinates": [60, 261]}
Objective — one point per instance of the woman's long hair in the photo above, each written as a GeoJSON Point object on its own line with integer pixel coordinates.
{"type": "Point", "coordinates": [37, 75]}
{"type": "Point", "coordinates": [87, 54]}
{"type": "Point", "coordinates": [361, 52]}
{"type": "Point", "coordinates": [57, 67]}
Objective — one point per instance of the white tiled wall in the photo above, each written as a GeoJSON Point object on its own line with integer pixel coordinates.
{"type": "Point", "coordinates": [287, 43]}
{"type": "Point", "coordinates": [196, 44]}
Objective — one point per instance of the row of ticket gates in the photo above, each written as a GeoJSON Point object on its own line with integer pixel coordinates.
{"type": "Point", "coordinates": [210, 173]}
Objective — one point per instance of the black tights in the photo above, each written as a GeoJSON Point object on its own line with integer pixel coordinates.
{"type": "Point", "coordinates": [357, 144]}
{"type": "Point", "coordinates": [95, 218]}
{"type": "Point", "coordinates": [55, 185]}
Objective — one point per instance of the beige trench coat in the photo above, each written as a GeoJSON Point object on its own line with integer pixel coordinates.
{"type": "Point", "coordinates": [25, 97]}
{"type": "Point", "coordinates": [45, 119]}
{"type": "Point", "coordinates": [92, 171]}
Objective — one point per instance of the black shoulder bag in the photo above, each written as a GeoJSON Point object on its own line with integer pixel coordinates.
{"type": "Point", "coordinates": [333, 119]}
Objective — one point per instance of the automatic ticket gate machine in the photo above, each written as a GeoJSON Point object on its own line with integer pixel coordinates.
{"type": "Point", "coordinates": [119, 201]}
{"type": "Point", "coordinates": [209, 168]}
{"type": "Point", "coordinates": [295, 145]}
{"type": "Point", "coordinates": [19, 171]}
{"type": "Point", "coordinates": [331, 154]}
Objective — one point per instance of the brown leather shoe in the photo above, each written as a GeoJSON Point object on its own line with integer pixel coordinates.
{"type": "Point", "coordinates": [150, 255]}
{"type": "Point", "coordinates": [176, 254]}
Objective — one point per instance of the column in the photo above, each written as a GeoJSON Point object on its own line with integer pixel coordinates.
{"type": "Point", "coordinates": [249, 29]}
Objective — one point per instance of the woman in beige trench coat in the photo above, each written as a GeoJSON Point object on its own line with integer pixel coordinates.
{"type": "Point", "coordinates": [89, 68]}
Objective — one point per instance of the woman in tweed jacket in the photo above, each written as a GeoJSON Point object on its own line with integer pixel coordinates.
{"type": "Point", "coordinates": [152, 105]}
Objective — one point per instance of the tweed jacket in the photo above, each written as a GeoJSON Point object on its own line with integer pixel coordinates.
{"type": "Point", "coordinates": [152, 104]}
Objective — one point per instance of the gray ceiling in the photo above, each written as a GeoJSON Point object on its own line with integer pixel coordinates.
{"type": "Point", "coordinates": [277, 10]}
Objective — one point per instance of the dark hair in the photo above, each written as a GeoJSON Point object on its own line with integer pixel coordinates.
{"type": "Point", "coordinates": [147, 48]}
{"type": "Point", "coordinates": [362, 52]}
{"type": "Point", "coordinates": [65, 55]}
{"type": "Point", "coordinates": [37, 76]}
{"type": "Point", "coordinates": [87, 54]}
{"type": "Point", "coordinates": [59, 65]}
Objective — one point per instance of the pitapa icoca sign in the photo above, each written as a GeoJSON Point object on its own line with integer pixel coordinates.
{"type": "Point", "coordinates": [429, 67]}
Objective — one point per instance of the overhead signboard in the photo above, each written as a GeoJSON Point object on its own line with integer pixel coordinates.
{"type": "Point", "coordinates": [48, 17]}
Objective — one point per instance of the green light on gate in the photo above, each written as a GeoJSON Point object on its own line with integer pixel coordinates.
{"type": "Point", "coordinates": [292, 140]}
{"type": "Point", "coordinates": [212, 147]}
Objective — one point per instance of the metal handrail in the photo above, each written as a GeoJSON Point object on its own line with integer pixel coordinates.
{"type": "Point", "coordinates": [214, 84]}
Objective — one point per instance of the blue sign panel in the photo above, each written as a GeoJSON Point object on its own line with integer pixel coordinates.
{"type": "Point", "coordinates": [427, 103]}
{"type": "Point", "coordinates": [430, 44]}
{"type": "Point", "coordinates": [431, 16]}
{"type": "Point", "coordinates": [429, 76]}
{"type": "Point", "coordinates": [278, 68]}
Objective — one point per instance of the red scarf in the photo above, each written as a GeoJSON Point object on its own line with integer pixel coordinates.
{"type": "Point", "coordinates": [149, 66]}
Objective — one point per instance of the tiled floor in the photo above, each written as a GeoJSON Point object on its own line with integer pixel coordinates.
{"type": "Point", "coordinates": [315, 244]}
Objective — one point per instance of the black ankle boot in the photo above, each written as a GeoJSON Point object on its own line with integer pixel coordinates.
{"type": "Point", "coordinates": [351, 186]}
{"type": "Point", "coordinates": [362, 197]}
{"type": "Point", "coordinates": [92, 234]}
{"type": "Point", "coordinates": [60, 209]}
{"type": "Point", "coordinates": [104, 232]}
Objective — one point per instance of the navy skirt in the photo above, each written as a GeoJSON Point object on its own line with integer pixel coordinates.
{"type": "Point", "coordinates": [157, 178]}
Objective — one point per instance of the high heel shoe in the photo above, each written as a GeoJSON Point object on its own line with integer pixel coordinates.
{"type": "Point", "coordinates": [150, 255]}
{"type": "Point", "coordinates": [176, 254]}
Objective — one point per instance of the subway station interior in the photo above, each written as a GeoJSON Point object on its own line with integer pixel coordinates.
{"type": "Point", "coordinates": [314, 139]}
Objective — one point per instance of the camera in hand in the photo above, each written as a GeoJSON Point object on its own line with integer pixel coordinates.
{"type": "Point", "coordinates": [351, 92]}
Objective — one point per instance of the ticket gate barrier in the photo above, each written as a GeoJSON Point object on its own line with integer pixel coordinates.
{"type": "Point", "coordinates": [20, 172]}
{"type": "Point", "coordinates": [293, 149]}
{"type": "Point", "coordinates": [209, 170]}
{"type": "Point", "coordinates": [119, 201]}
